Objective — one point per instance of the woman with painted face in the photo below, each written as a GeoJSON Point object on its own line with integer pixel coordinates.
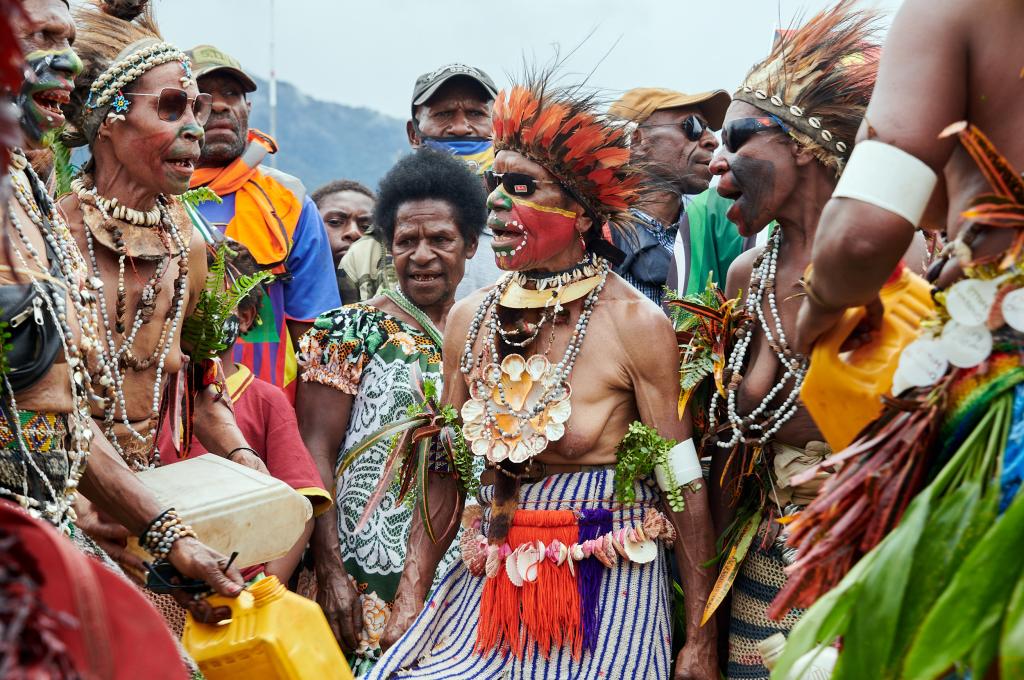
{"type": "Point", "coordinates": [137, 107]}
{"type": "Point", "coordinates": [363, 364]}
{"type": "Point", "coordinates": [50, 446]}
{"type": "Point", "coordinates": [786, 138]}
{"type": "Point", "coordinates": [562, 570]}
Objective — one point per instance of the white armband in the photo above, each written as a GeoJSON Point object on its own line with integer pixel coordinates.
{"type": "Point", "coordinates": [681, 467]}
{"type": "Point", "coordinates": [888, 177]}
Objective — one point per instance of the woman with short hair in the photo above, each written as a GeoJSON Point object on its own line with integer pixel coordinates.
{"type": "Point", "coordinates": [362, 365]}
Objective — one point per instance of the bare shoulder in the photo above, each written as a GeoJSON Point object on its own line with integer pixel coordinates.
{"type": "Point", "coordinates": [639, 323]}
{"type": "Point", "coordinates": [738, 277]}
{"type": "Point", "coordinates": [463, 311]}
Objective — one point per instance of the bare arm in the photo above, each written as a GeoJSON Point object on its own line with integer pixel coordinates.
{"type": "Point", "coordinates": [117, 492]}
{"type": "Point", "coordinates": [323, 436]}
{"type": "Point", "coordinates": [921, 89]}
{"type": "Point", "coordinates": [657, 392]}
{"type": "Point", "coordinates": [446, 500]}
{"type": "Point", "coordinates": [284, 567]}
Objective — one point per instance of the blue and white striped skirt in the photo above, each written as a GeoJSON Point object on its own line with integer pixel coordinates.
{"type": "Point", "coordinates": [634, 637]}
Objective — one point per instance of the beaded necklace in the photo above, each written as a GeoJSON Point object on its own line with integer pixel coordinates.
{"type": "Point", "coordinates": [532, 418]}
{"type": "Point", "coordinates": [83, 294]}
{"type": "Point", "coordinates": [123, 353]}
{"type": "Point", "coordinates": [762, 423]}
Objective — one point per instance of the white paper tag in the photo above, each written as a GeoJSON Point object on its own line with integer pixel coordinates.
{"type": "Point", "coordinates": [970, 301]}
{"type": "Point", "coordinates": [1013, 309]}
{"type": "Point", "coordinates": [966, 346]}
{"type": "Point", "coordinates": [922, 363]}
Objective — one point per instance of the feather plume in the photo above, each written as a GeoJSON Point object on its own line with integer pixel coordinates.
{"type": "Point", "coordinates": [560, 128]}
{"type": "Point", "coordinates": [818, 79]}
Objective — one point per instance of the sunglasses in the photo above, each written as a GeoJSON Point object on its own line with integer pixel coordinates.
{"type": "Point", "coordinates": [173, 101]}
{"type": "Point", "coordinates": [738, 132]}
{"type": "Point", "coordinates": [692, 126]}
{"type": "Point", "coordinates": [515, 183]}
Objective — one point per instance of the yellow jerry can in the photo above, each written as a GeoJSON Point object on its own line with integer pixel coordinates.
{"type": "Point", "coordinates": [273, 634]}
{"type": "Point", "coordinates": [843, 390]}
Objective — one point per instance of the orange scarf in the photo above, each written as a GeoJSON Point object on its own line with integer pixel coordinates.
{"type": "Point", "coordinates": [266, 212]}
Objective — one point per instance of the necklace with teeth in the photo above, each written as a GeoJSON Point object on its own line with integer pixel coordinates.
{"type": "Point", "coordinates": [123, 354]}
{"type": "Point", "coordinates": [583, 269]}
{"type": "Point", "coordinates": [111, 207]}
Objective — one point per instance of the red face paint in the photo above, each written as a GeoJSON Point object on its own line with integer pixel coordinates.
{"type": "Point", "coordinates": [533, 234]}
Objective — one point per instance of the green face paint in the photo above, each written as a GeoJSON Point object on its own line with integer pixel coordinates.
{"type": "Point", "coordinates": [49, 87]}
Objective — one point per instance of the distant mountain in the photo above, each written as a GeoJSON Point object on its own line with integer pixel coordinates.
{"type": "Point", "coordinates": [322, 141]}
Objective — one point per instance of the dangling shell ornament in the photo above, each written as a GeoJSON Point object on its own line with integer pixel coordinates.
{"type": "Point", "coordinates": [515, 409]}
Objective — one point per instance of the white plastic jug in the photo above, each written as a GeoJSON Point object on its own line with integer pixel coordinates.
{"type": "Point", "coordinates": [231, 507]}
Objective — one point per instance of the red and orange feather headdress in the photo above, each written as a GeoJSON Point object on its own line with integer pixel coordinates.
{"type": "Point", "coordinates": [561, 130]}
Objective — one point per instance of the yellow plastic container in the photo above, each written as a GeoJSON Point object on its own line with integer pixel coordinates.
{"type": "Point", "coordinates": [273, 634]}
{"type": "Point", "coordinates": [843, 390]}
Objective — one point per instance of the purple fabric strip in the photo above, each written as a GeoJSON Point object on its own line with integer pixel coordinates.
{"type": "Point", "coordinates": [593, 523]}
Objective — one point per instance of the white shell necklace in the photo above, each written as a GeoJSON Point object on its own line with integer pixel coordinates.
{"type": "Point", "coordinates": [761, 424]}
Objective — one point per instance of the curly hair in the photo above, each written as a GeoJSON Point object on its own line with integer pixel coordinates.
{"type": "Point", "coordinates": [338, 186]}
{"type": "Point", "coordinates": [426, 174]}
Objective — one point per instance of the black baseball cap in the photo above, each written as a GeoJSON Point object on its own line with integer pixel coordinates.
{"type": "Point", "coordinates": [429, 83]}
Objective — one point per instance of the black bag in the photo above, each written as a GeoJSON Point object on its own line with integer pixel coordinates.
{"type": "Point", "coordinates": [34, 336]}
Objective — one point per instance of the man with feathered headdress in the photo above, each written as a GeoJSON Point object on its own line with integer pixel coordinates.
{"type": "Point", "coordinates": [563, 574]}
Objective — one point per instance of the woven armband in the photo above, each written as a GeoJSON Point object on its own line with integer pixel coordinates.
{"type": "Point", "coordinates": [680, 466]}
{"type": "Point", "coordinates": [888, 177]}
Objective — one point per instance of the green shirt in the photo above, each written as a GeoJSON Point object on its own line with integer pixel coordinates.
{"type": "Point", "coordinates": [710, 240]}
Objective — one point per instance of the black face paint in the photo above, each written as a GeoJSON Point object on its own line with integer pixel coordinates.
{"type": "Point", "coordinates": [46, 89]}
{"type": "Point", "coordinates": [756, 179]}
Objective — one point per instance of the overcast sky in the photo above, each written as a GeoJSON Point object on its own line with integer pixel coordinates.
{"type": "Point", "coordinates": [369, 53]}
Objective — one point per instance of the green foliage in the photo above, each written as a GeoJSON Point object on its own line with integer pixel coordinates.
{"type": "Point", "coordinates": [193, 197]}
{"type": "Point", "coordinates": [941, 590]}
{"type": "Point", "coordinates": [203, 332]}
{"type": "Point", "coordinates": [5, 346]}
{"type": "Point", "coordinates": [639, 452]}
{"type": "Point", "coordinates": [64, 171]}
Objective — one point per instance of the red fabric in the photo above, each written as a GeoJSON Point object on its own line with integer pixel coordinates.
{"type": "Point", "coordinates": [120, 636]}
{"type": "Point", "coordinates": [268, 423]}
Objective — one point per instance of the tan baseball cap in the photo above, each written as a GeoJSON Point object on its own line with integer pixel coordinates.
{"type": "Point", "coordinates": [206, 59]}
{"type": "Point", "coordinates": [638, 104]}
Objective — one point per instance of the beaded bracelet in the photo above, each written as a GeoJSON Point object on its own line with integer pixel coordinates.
{"type": "Point", "coordinates": [162, 533]}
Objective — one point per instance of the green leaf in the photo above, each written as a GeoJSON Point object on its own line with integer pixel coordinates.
{"type": "Point", "coordinates": [371, 439]}
{"type": "Point", "coordinates": [1011, 643]}
{"type": "Point", "coordinates": [951, 530]}
{"type": "Point", "coordinates": [193, 197]}
{"type": "Point", "coordinates": [868, 640]}
{"type": "Point", "coordinates": [974, 600]}
{"type": "Point", "coordinates": [826, 619]}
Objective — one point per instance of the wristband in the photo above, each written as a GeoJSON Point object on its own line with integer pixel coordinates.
{"type": "Point", "coordinates": [679, 467]}
{"type": "Point", "coordinates": [242, 448]}
{"type": "Point", "coordinates": [887, 177]}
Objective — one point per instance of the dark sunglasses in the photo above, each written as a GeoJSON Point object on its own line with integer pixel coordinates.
{"type": "Point", "coordinates": [515, 183]}
{"type": "Point", "coordinates": [692, 126]}
{"type": "Point", "coordinates": [173, 102]}
{"type": "Point", "coordinates": [738, 132]}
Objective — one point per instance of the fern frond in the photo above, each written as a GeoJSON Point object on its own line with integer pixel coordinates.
{"type": "Point", "coordinates": [64, 171]}
{"type": "Point", "coordinates": [193, 197]}
{"type": "Point", "coordinates": [203, 332]}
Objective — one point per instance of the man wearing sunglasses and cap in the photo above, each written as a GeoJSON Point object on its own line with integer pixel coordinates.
{"type": "Point", "coordinates": [673, 141]}
{"type": "Point", "coordinates": [269, 212]}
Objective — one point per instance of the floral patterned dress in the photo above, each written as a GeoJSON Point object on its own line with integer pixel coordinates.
{"type": "Point", "coordinates": [365, 352]}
